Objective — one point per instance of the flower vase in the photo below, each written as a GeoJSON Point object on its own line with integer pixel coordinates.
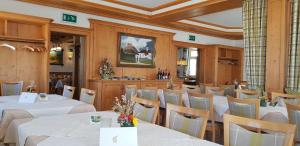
{"type": "Point", "coordinates": [105, 77]}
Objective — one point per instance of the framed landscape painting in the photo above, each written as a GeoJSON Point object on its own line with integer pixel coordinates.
{"type": "Point", "coordinates": [136, 50]}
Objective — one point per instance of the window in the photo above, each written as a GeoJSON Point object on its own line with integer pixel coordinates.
{"type": "Point", "coordinates": [193, 62]}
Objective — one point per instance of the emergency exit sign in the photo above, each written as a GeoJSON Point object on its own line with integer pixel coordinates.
{"type": "Point", "coordinates": [192, 38]}
{"type": "Point", "coordinates": [69, 18]}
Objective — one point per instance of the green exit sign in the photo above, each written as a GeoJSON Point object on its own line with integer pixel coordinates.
{"type": "Point", "coordinates": [69, 18]}
{"type": "Point", "coordinates": [192, 38]}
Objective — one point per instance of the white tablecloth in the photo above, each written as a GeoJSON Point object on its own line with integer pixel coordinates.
{"type": "Point", "coordinates": [56, 105]}
{"type": "Point", "coordinates": [221, 107]}
{"type": "Point", "coordinates": [76, 130]}
{"type": "Point", "coordinates": [15, 98]}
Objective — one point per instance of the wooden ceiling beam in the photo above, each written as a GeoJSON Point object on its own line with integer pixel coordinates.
{"type": "Point", "coordinates": [200, 9]}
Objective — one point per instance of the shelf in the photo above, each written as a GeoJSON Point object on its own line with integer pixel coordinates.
{"type": "Point", "coordinates": [19, 39]}
{"type": "Point", "coordinates": [227, 58]}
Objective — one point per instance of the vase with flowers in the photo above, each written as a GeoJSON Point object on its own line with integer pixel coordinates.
{"type": "Point", "coordinates": [106, 69]}
{"type": "Point", "coordinates": [125, 108]}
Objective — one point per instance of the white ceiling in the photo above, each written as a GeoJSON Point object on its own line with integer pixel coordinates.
{"type": "Point", "coordinates": [228, 18]}
{"type": "Point", "coordinates": [147, 3]}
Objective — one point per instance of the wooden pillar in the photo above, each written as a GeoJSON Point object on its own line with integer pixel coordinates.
{"type": "Point", "coordinates": [277, 50]}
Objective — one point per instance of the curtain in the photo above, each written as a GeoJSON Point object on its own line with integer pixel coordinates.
{"type": "Point", "coordinates": [293, 78]}
{"type": "Point", "coordinates": [255, 30]}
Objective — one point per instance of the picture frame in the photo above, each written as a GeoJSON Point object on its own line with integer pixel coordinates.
{"type": "Point", "coordinates": [136, 50]}
{"type": "Point", "coordinates": [56, 57]}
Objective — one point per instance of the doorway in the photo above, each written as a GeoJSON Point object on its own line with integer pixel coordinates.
{"type": "Point", "coordinates": [66, 62]}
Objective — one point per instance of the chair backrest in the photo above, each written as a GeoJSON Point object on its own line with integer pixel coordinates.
{"type": "Point", "coordinates": [248, 108]}
{"type": "Point", "coordinates": [214, 91]}
{"type": "Point", "coordinates": [130, 91]}
{"type": "Point", "coordinates": [240, 93]}
{"type": "Point", "coordinates": [68, 91]}
{"type": "Point", "coordinates": [146, 110]}
{"type": "Point", "coordinates": [194, 126]}
{"type": "Point", "coordinates": [173, 96]}
{"type": "Point", "coordinates": [282, 98]}
{"type": "Point", "coordinates": [236, 135]}
{"type": "Point", "coordinates": [11, 88]}
{"type": "Point", "coordinates": [87, 96]}
{"type": "Point", "coordinates": [228, 90]}
{"type": "Point", "coordinates": [294, 118]}
{"type": "Point", "coordinates": [202, 102]}
{"type": "Point", "coordinates": [191, 88]}
{"type": "Point", "coordinates": [203, 87]}
{"type": "Point", "coordinates": [149, 93]}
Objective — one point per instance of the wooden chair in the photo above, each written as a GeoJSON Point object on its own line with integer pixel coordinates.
{"type": "Point", "coordinates": [214, 91]}
{"type": "Point", "coordinates": [191, 88]}
{"type": "Point", "coordinates": [194, 126]}
{"type": "Point", "coordinates": [149, 93]}
{"type": "Point", "coordinates": [205, 102]}
{"type": "Point", "coordinates": [282, 98]}
{"type": "Point", "coordinates": [248, 108]}
{"type": "Point", "coordinates": [68, 91]}
{"type": "Point", "coordinates": [173, 96]}
{"type": "Point", "coordinates": [240, 93]}
{"type": "Point", "coordinates": [146, 110]}
{"type": "Point", "coordinates": [11, 88]}
{"type": "Point", "coordinates": [130, 91]}
{"type": "Point", "coordinates": [87, 96]}
{"type": "Point", "coordinates": [203, 87]}
{"type": "Point", "coordinates": [235, 134]}
{"type": "Point", "coordinates": [229, 90]}
{"type": "Point", "coordinates": [294, 118]}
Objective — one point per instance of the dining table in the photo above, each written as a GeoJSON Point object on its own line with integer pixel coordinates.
{"type": "Point", "coordinates": [267, 113]}
{"type": "Point", "coordinates": [77, 130]}
{"type": "Point", "coordinates": [11, 109]}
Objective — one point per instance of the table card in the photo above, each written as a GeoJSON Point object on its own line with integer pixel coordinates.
{"type": "Point", "coordinates": [27, 97]}
{"type": "Point", "coordinates": [118, 136]}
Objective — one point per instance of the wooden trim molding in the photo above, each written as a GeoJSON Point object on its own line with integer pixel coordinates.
{"type": "Point", "coordinates": [93, 21]}
{"type": "Point", "coordinates": [147, 8]}
{"type": "Point", "coordinates": [212, 24]}
{"type": "Point", "coordinates": [208, 31]}
{"type": "Point", "coordinates": [87, 33]}
{"type": "Point", "coordinates": [157, 20]}
{"type": "Point", "coordinates": [199, 9]}
{"type": "Point", "coordinates": [24, 18]}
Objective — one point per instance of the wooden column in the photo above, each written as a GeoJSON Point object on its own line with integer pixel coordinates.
{"type": "Point", "coordinates": [277, 38]}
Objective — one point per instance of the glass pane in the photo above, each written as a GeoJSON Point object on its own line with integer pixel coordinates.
{"type": "Point", "coordinates": [193, 67]}
{"type": "Point", "coordinates": [194, 53]}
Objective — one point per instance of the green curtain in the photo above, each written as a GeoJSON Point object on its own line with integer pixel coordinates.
{"type": "Point", "coordinates": [293, 79]}
{"type": "Point", "coordinates": [255, 30]}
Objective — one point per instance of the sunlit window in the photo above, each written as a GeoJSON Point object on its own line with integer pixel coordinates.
{"type": "Point", "coordinates": [193, 62]}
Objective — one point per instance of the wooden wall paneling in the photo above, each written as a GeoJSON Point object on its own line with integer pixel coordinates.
{"type": "Point", "coordinates": [12, 28]}
{"type": "Point", "coordinates": [29, 67]}
{"type": "Point", "coordinates": [105, 39]}
{"type": "Point", "coordinates": [210, 64]}
{"type": "Point", "coordinates": [21, 30]}
{"type": "Point", "coordinates": [149, 83]}
{"type": "Point", "coordinates": [110, 90]}
{"type": "Point", "coordinates": [2, 26]}
{"type": "Point", "coordinates": [8, 64]}
{"type": "Point", "coordinates": [276, 45]}
{"type": "Point", "coordinates": [97, 86]}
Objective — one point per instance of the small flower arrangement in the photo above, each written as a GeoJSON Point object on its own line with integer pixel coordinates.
{"type": "Point", "coordinates": [125, 108]}
{"type": "Point", "coordinates": [106, 70]}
